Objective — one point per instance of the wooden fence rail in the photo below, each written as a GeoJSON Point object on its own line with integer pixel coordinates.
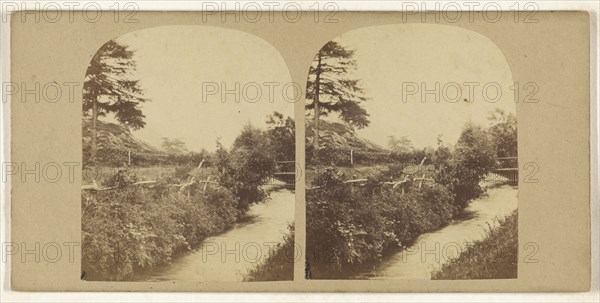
{"type": "Point", "coordinates": [394, 184]}
{"type": "Point", "coordinates": [182, 186]}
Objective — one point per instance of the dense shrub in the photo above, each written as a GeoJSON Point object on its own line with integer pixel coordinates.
{"type": "Point", "coordinates": [124, 177]}
{"type": "Point", "coordinates": [282, 137]}
{"type": "Point", "coordinates": [133, 228]}
{"type": "Point", "coordinates": [504, 133]}
{"type": "Point", "coordinates": [473, 157]}
{"type": "Point", "coordinates": [419, 210]}
{"type": "Point", "coordinates": [246, 167]}
{"type": "Point", "coordinates": [355, 224]}
{"type": "Point", "coordinates": [184, 172]}
{"type": "Point", "coordinates": [342, 226]}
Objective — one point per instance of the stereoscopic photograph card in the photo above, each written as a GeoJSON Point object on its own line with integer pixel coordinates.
{"type": "Point", "coordinates": [299, 151]}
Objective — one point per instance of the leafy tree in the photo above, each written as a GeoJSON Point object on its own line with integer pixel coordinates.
{"type": "Point", "coordinates": [222, 159]}
{"type": "Point", "coordinates": [251, 138]}
{"type": "Point", "coordinates": [282, 138]}
{"type": "Point", "coordinates": [330, 88]}
{"type": "Point", "coordinates": [173, 146]}
{"type": "Point", "coordinates": [108, 89]}
{"type": "Point", "coordinates": [400, 145]}
{"type": "Point", "coordinates": [474, 156]}
{"type": "Point", "coordinates": [503, 131]}
{"type": "Point", "coordinates": [246, 167]}
{"type": "Point", "coordinates": [442, 155]}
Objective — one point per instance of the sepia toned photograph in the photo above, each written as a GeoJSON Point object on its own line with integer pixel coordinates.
{"type": "Point", "coordinates": [188, 161]}
{"type": "Point", "coordinates": [284, 151]}
{"type": "Point", "coordinates": [411, 156]}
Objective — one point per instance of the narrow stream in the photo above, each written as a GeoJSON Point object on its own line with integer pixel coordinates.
{"type": "Point", "coordinates": [433, 249]}
{"type": "Point", "coordinates": [230, 255]}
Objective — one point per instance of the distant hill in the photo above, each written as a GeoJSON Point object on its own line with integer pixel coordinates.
{"type": "Point", "coordinates": [339, 135]}
{"type": "Point", "coordinates": [115, 142]}
{"type": "Point", "coordinates": [115, 137]}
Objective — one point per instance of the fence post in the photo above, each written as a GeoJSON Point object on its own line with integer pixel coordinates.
{"type": "Point", "coordinates": [352, 157]}
{"type": "Point", "coordinates": [421, 181]}
{"type": "Point", "coordinates": [205, 185]}
{"type": "Point", "coordinates": [129, 157]}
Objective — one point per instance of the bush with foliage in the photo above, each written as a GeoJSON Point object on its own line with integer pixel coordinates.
{"type": "Point", "coordinates": [419, 210]}
{"type": "Point", "coordinates": [473, 157]}
{"type": "Point", "coordinates": [282, 137]}
{"type": "Point", "coordinates": [503, 131]}
{"type": "Point", "coordinates": [246, 167]}
{"type": "Point", "coordinates": [133, 228]}
{"type": "Point", "coordinates": [349, 224]}
{"type": "Point", "coordinates": [343, 226]}
{"type": "Point", "coordinates": [123, 178]}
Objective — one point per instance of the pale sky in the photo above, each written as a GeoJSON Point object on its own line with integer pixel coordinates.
{"type": "Point", "coordinates": [173, 63]}
{"type": "Point", "coordinates": [388, 56]}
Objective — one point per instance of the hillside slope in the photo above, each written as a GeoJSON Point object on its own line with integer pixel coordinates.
{"type": "Point", "coordinates": [115, 137]}
{"type": "Point", "coordinates": [339, 136]}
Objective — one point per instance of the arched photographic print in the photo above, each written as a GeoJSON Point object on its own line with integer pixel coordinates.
{"type": "Point", "coordinates": [188, 152]}
{"type": "Point", "coordinates": [411, 152]}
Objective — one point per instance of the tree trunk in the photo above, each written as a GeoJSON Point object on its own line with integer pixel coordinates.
{"type": "Point", "coordinates": [316, 103]}
{"type": "Point", "coordinates": [94, 132]}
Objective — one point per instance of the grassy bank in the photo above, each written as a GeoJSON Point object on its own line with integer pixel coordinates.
{"type": "Point", "coordinates": [495, 257]}
{"type": "Point", "coordinates": [128, 228]}
{"type": "Point", "coordinates": [352, 225]}
{"type": "Point", "coordinates": [131, 229]}
{"type": "Point", "coordinates": [279, 266]}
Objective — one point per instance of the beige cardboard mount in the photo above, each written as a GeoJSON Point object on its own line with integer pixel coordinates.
{"type": "Point", "coordinates": [554, 213]}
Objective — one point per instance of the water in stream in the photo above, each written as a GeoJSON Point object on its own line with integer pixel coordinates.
{"type": "Point", "coordinates": [230, 255]}
{"type": "Point", "coordinates": [433, 249]}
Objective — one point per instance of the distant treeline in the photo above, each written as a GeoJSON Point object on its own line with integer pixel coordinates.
{"type": "Point", "coordinates": [278, 141]}
{"type": "Point", "coordinates": [502, 133]}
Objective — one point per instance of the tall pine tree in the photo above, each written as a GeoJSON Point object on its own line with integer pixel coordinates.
{"type": "Point", "coordinates": [108, 89]}
{"type": "Point", "coordinates": [331, 88]}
